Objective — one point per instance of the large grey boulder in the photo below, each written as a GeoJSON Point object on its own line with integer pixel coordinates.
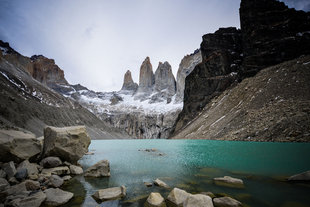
{"type": "Point", "coordinates": [9, 169]}
{"type": "Point", "coordinates": [33, 200]}
{"type": "Point", "coordinates": [305, 176]}
{"type": "Point", "coordinates": [75, 170]}
{"type": "Point", "coordinates": [100, 169]}
{"type": "Point", "coordinates": [67, 143]}
{"type": "Point", "coordinates": [198, 200]}
{"type": "Point", "coordinates": [55, 181]}
{"type": "Point", "coordinates": [17, 145]}
{"type": "Point", "coordinates": [32, 168]}
{"type": "Point", "coordinates": [50, 162]}
{"type": "Point", "coordinates": [110, 193]}
{"type": "Point", "coordinates": [228, 181]}
{"type": "Point", "coordinates": [226, 202]}
{"type": "Point", "coordinates": [155, 200]}
{"type": "Point", "coordinates": [62, 170]}
{"type": "Point", "coordinates": [57, 197]}
{"type": "Point", "coordinates": [3, 184]}
{"type": "Point", "coordinates": [177, 197]}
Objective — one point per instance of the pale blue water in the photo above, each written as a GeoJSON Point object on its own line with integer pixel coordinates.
{"type": "Point", "coordinates": [191, 165]}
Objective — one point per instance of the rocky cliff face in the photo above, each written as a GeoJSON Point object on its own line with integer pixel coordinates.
{"type": "Point", "coordinates": [128, 84]}
{"type": "Point", "coordinates": [270, 33]}
{"type": "Point", "coordinates": [28, 104]}
{"type": "Point", "coordinates": [147, 79]}
{"type": "Point", "coordinates": [221, 59]}
{"type": "Point", "coordinates": [186, 66]}
{"type": "Point", "coordinates": [271, 106]}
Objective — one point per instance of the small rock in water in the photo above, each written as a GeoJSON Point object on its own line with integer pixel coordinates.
{"type": "Point", "coordinates": [57, 197]}
{"type": "Point", "coordinates": [226, 202]}
{"type": "Point", "coordinates": [305, 176]}
{"type": "Point", "coordinates": [66, 178]}
{"type": "Point", "coordinates": [198, 200]}
{"type": "Point", "coordinates": [148, 184]}
{"type": "Point", "coordinates": [55, 181]}
{"type": "Point", "coordinates": [100, 169]}
{"type": "Point", "coordinates": [110, 194]}
{"type": "Point", "coordinates": [160, 183]}
{"type": "Point", "coordinates": [155, 200]}
{"type": "Point", "coordinates": [229, 182]}
{"type": "Point", "coordinates": [75, 170]}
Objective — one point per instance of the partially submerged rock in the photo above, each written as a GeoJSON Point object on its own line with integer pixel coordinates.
{"type": "Point", "coordinates": [228, 181]}
{"type": "Point", "coordinates": [100, 169]}
{"type": "Point", "coordinates": [57, 197]}
{"type": "Point", "coordinates": [55, 181]}
{"type": "Point", "coordinates": [160, 183]}
{"type": "Point", "coordinates": [226, 202]}
{"type": "Point", "coordinates": [198, 200]}
{"type": "Point", "coordinates": [68, 143]}
{"type": "Point", "coordinates": [305, 176]}
{"type": "Point", "coordinates": [50, 162]}
{"type": "Point", "coordinates": [177, 197]}
{"type": "Point", "coordinates": [155, 200]}
{"type": "Point", "coordinates": [110, 194]}
{"type": "Point", "coordinates": [148, 184]}
{"type": "Point", "coordinates": [17, 145]}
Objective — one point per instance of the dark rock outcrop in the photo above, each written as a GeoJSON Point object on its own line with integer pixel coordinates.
{"type": "Point", "coordinates": [146, 79]}
{"type": "Point", "coordinates": [128, 84]}
{"type": "Point", "coordinates": [221, 59]}
{"type": "Point", "coordinates": [270, 34]}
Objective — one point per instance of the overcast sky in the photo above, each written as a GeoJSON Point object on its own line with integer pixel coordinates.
{"type": "Point", "coordinates": [95, 42]}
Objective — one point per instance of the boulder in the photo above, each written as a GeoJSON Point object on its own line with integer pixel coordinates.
{"type": "Point", "coordinates": [110, 194]}
{"type": "Point", "coordinates": [17, 145]}
{"type": "Point", "coordinates": [50, 162]}
{"type": "Point", "coordinates": [160, 183]}
{"type": "Point", "coordinates": [305, 176]}
{"type": "Point", "coordinates": [32, 185]}
{"type": "Point", "coordinates": [148, 184]}
{"type": "Point", "coordinates": [75, 170]}
{"type": "Point", "coordinates": [16, 189]}
{"type": "Point", "coordinates": [226, 202]}
{"type": "Point", "coordinates": [155, 200]}
{"type": "Point", "coordinates": [177, 197]}
{"type": "Point", "coordinates": [57, 197]}
{"type": "Point", "coordinates": [229, 182]}
{"type": "Point", "coordinates": [198, 200]}
{"type": "Point", "coordinates": [2, 173]}
{"type": "Point", "coordinates": [33, 200]}
{"type": "Point", "coordinates": [32, 168]}
{"type": "Point", "coordinates": [68, 143]}
{"type": "Point", "coordinates": [21, 174]}
{"type": "Point", "coordinates": [66, 178]}
{"type": "Point", "coordinates": [55, 181]}
{"type": "Point", "coordinates": [100, 169]}
{"type": "Point", "coordinates": [63, 170]}
{"type": "Point", "coordinates": [9, 169]}
{"type": "Point", "coordinates": [3, 184]}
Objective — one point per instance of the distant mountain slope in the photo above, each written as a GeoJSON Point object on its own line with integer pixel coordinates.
{"type": "Point", "coordinates": [272, 106]}
{"type": "Point", "coordinates": [27, 103]}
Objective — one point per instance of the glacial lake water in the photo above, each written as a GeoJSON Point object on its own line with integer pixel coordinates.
{"type": "Point", "coordinates": [191, 165]}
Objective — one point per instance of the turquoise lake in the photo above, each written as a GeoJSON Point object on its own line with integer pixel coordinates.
{"type": "Point", "coordinates": [191, 165]}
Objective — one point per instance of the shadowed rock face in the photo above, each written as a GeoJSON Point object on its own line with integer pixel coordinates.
{"type": "Point", "coordinates": [147, 79]}
{"type": "Point", "coordinates": [128, 84]}
{"type": "Point", "coordinates": [164, 79]}
{"type": "Point", "coordinates": [270, 33]}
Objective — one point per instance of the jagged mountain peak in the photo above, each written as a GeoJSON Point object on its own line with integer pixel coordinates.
{"type": "Point", "coordinates": [146, 78]}
{"type": "Point", "coordinates": [129, 84]}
